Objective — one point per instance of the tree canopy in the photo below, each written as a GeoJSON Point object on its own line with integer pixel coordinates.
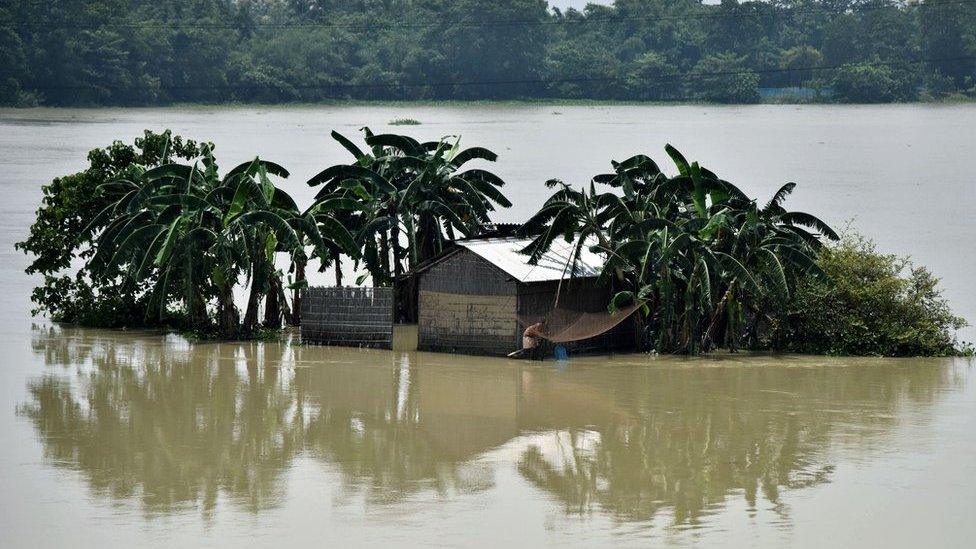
{"type": "Point", "coordinates": [115, 52]}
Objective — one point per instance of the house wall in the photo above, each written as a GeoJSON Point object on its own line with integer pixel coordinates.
{"type": "Point", "coordinates": [537, 299]}
{"type": "Point", "coordinates": [468, 306]}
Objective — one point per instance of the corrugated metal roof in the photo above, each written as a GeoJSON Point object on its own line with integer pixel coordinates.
{"type": "Point", "coordinates": [504, 253]}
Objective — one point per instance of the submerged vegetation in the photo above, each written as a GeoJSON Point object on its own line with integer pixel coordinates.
{"type": "Point", "coordinates": [870, 304]}
{"type": "Point", "coordinates": [110, 52]}
{"type": "Point", "coordinates": [711, 267]}
{"type": "Point", "coordinates": [153, 235]}
{"type": "Point", "coordinates": [167, 243]}
{"type": "Point", "coordinates": [706, 262]}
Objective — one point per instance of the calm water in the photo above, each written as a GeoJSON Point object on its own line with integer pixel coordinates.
{"type": "Point", "coordinates": [128, 439]}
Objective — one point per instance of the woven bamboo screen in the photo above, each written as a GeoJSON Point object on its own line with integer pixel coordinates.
{"type": "Point", "coordinates": [348, 317]}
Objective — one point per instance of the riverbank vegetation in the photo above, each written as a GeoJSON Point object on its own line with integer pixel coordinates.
{"type": "Point", "coordinates": [151, 234]}
{"type": "Point", "coordinates": [137, 52]}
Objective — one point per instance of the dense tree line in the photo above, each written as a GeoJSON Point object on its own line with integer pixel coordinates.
{"type": "Point", "coordinates": [129, 52]}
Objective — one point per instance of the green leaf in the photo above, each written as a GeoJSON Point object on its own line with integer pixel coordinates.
{"type": "Point", "coordinates": [807, 220]}
{"type": "Point", "coordinates": [251, 168]}
{"type": "Point", "coordinates": [472, 153]}
{"type": "Point", "coordinates": [336, 232]}
{"type": "Point", "coordinates": [407, 145]}
{"type": "Point", "coordinates": [172, 171]}
{"type": "Point", "coordinates": [167, 249]}
{"type": "Point", "coordinates": [679, 160]}
{"type": "Point", "coordinates": [348, 145]}
{"type": "Point", "coordinates": [344, 171]}
{"type": "Point", "coordinates": [275, 223]}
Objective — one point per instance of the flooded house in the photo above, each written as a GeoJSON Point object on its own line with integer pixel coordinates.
{"type": "Point", "coordinates": [477, 298]}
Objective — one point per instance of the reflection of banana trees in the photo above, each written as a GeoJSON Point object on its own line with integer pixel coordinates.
{"type": "Point", "coordinates": [705, 434]}
{"type": "Point", "coordinates": [177, 425]}
{"type": "Point", "coordinates": [170, 432]}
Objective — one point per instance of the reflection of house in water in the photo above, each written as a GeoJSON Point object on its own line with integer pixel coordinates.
{"type": "Point", "coordinates": [140, 421]}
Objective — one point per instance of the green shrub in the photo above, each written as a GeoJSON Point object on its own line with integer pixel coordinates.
{"type": "Point", "coordinates": [874, 304]}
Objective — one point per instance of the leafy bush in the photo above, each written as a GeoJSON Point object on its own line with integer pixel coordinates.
{"type": "Point", "coordinates": [873, 304]}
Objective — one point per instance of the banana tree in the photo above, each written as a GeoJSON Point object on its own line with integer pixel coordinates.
{"type": "Point", "coordinates": [695, 251]}
{"type": "Point", "coordinates": [404, 200]}
{"type": "Point", "coordinates": [188, 234]}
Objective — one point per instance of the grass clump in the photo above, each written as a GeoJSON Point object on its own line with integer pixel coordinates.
{"type": "Point", "coordinates": [404, 122]}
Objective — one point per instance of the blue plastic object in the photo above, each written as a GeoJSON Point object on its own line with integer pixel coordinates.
{"type": "Point", "coordinates": [560, 352]}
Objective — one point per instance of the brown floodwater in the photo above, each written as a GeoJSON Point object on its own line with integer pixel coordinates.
{"type": "Point", "coordinates": [146, 439]}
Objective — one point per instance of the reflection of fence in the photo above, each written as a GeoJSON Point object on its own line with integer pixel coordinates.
{"type": "Point", "coordinates": [350, 317]}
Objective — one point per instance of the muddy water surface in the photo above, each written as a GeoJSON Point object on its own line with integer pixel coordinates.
{"type": "Point", "coordinates": [144, 439]}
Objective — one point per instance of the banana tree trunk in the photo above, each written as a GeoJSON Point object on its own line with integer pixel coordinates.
{"type": "Point", "coordinates": [195, 308]}
{"type": "Point", "coordinates": [384, 254]}
{"type": "Point", "coordinates": [285, 308]}
{"type": "Point", "coordinates": [427, 238]}
{"type": "Point", "coordinates": [715, 322]}
{"type": "Point", "coordinates": [272, 303]}
{"type": "Point", "coordinates": [296, 294]}
{"type": "Point", "coordinates": [395, 240]}
{"type": "Point", "coordinates": [229, 317]}
{"type": "Point", "coordinates": [253, 300]}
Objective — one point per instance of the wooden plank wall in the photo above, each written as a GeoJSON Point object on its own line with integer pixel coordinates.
{"type": "Point", "coordinates": [348, 317]}
{"type": "Point", "coordinates": [467, 306]}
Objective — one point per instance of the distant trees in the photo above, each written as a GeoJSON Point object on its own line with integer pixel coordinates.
{"type": "Point", "coordinates": [947, 35]}
{"type": "Point", "coordinates": [162, 51]}
{"type": "Point", "coordinates": [724, 78]}
{"type": "Point", "coordinates": [868, 83]}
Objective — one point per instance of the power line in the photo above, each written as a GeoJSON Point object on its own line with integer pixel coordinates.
{"type": "Point", "coordinates": [53, 26]}
{"type": "Point", "coordinates": [511, 82]}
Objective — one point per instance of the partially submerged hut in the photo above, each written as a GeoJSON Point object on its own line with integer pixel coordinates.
{"type": "Point", "coordinates": [478, 297]}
